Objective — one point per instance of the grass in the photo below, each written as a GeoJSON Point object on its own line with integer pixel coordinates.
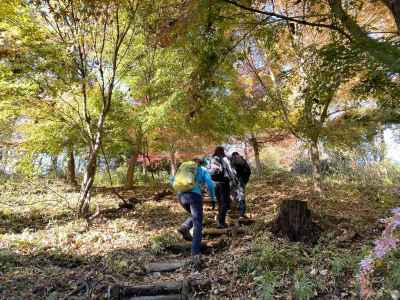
{"type": "Point", "coordinates": [304, 271]}
{"type": "Point", "coordinates": [267, 282]}
{"type": "Point", "coordinates": [303, 286]}
{"type": "Point", "coordinates": [160, 242]}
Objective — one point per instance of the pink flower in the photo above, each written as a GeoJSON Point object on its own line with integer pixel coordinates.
{"type": "Point", "coordinates": [396, 210]}
{"type": "Point", "coordinates": [383, 246]}
{"type": "Point", "coordinates": [365, 290]}
{"type": "Point", "coordinates": [396, 220]}
{"type": "Point", "coordinates": [367, 264]}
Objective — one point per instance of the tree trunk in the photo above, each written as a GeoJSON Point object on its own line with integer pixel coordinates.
{"type": "Point", "coordinates": [88, 178]}
{"type": "Point", "coordinates": [70, 172]}
{"type": "Point", "coordinates": [294, 221]}
{"type": "Point", "coordinates": [246, 151]}
{"type": "Point", "coordinates": [316, 166]}
{"type": "Point", "coordinates": [54, 160]}
{"type": "Point", "coordinates": [394, 6]}
{"type": "Point", "coordinates": [131, 170]}
{"type": "Point", "coordinates": [173, 162]}
{"type": "Point", "coordinates": [145, 173]}
{"type": "Point", "coordinates": [255, 145]}
{"type": "Point", "coordinates": [87, 184]}
{"type": "Point", "coordinates": [381, 143]}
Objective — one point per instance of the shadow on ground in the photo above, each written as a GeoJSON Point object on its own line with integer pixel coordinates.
{"type": "Point", "coordinates": [17, 223]}
{"type": "Point", "coordinates": [57, 275]}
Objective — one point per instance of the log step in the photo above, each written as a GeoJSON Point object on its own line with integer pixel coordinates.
{"type": "Point", "coordinates": [166, 266]}
{"type": "Point", "coordinates": [223, 231]}
{"type": "Point", "coordinates": [246, 221]}
{"type": "Point", "coordinates": [207, 246]}
{"type": "Point", "coordinates": [161, 297]}
{"type": "Point", "coordinates": [182, 288]}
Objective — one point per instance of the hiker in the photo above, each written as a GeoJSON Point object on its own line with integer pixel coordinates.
{"type": "Point", "coordinates": [188, 182]}
{"type": "Point", "coordinates": [225, 177]}
{"type": "Point", "coordinates": [243, 172]}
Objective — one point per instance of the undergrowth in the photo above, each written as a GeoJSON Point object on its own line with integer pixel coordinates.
{"type": "Point", "coordinates": [308, 272]}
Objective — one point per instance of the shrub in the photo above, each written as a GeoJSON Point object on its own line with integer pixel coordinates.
{"type": "Point", "coordinates": [270, 157]}
{"type": "Point", "coordinates": [303, 286]}
{"type": "Point", "coordinates": [266, 284]}
{"type": "Point", "coordinates": [160, 242]}
{"type": "Point", "coordinates": [265, 257]}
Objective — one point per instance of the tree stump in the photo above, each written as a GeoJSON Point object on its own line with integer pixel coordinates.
{"type": "Point", "coordinates": [294, 221]}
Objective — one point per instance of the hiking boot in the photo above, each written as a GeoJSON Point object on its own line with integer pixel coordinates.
{"type": "Point", "coordinates": [196, 263]}
{"type": "Point", "coordinates": [185, 232]}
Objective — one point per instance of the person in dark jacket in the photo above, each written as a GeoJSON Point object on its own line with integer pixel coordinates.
{"type": "Point", "coordinates": [243, 172]}
{"type": "Point", "coordinates": [224, 177]}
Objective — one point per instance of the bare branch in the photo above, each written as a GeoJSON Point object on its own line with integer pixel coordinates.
{"type": "Point", "coordinates": [287, 18]}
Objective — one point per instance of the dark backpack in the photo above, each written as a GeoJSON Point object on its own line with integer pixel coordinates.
{"type": "Point", "coordinates": [242, 168]}
{"type": "Point", "coordinates": [217, 170]}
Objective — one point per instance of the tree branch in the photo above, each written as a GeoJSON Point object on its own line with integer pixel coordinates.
{"type": "Point", "coordinates": [287, 18]}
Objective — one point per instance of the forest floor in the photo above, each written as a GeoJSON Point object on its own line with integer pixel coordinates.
{"type": "Point", "coordinates": [45, 253]}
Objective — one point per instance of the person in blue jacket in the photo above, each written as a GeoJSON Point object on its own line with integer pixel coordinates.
{"type": "Point", "coordinates": [192, 202]}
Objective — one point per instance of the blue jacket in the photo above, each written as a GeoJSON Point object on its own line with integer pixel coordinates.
{"type": "Point", "coordinates": [202, 177]}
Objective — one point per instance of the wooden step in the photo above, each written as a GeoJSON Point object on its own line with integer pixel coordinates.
{"type": "Point", "coordinates": [210, 232]}
{"type": "Point", "coordinates": [182, 288]}
{"type": "Point", "coordinates": [166, 266]}
{"type": "Point", "coordinates": [161, 297]}
{"type": "Point", "coordinates": [207, 246]}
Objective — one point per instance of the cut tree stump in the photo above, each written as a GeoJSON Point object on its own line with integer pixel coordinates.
{"type": "Point", "coordinates": [182, 288]}
{"type": "Point", "coordinates": [294, 221]}
{"type": "Point", "coordinates": [166, 266]}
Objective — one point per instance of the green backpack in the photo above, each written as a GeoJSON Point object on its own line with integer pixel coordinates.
{"type": "Point", "coordinates": [185, 178]}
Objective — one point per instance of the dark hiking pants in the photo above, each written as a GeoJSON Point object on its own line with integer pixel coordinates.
{"type": "Point", "coordinates": [223, 197]}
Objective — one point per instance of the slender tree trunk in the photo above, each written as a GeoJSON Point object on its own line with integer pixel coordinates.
{"type": "Point", "coordinates": [90, 172]}
{"type": "Point", "coordinates": [316, 166]}
{"type": "Point", "coordinates": [256, 148]}
{"type": "Point", "coordinates": [54, 165]}
{"type": "Point", "coordinates": [172, 157]}
{"type": "Point", "coordinates": [381, 143]}
{"type": "Point", "coordinates": [246, 151]}
{"type": "Point", "coordinates": [144, 171]}
{"type": "Point", "coordinates": [70, 172]}
{"type": "Point", "coordinates": [394, 6]}
{"type": "Point", "coordinates": [87, 184]}
{"type": "Point", "coordinates": [131, 170]}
